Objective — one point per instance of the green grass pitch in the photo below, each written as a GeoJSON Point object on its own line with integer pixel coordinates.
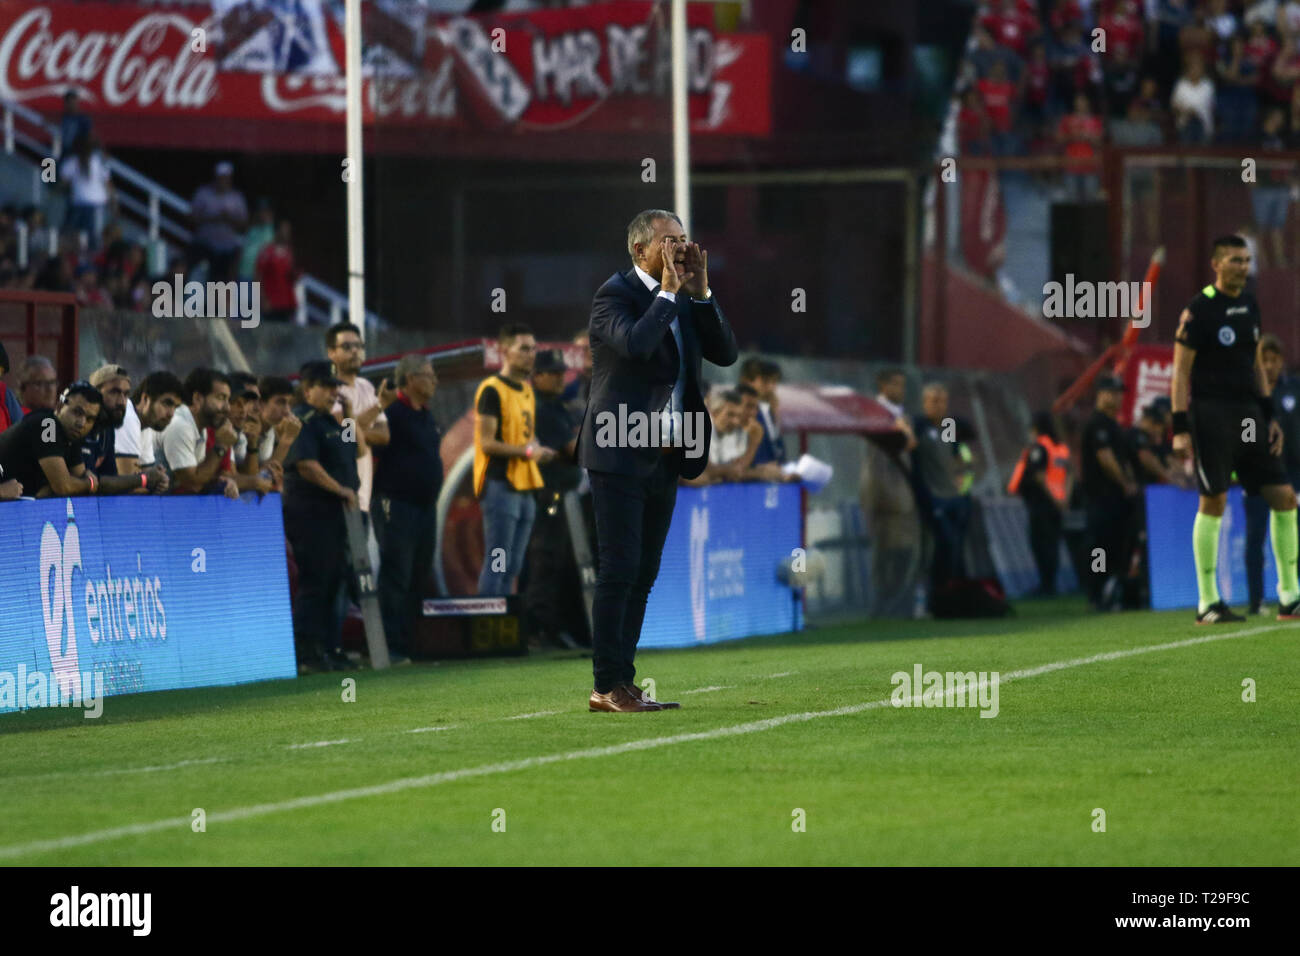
{"type": "Point", "coordinates": [1186, 772]}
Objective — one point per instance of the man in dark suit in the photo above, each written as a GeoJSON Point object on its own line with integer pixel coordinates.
{"type": "Point", "coordinates": [645, 426]}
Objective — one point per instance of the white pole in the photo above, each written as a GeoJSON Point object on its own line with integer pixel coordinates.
{"type": "Point", "coordinates": [681, 119]}
{"type": "Point", "coordinates": [356, 246]}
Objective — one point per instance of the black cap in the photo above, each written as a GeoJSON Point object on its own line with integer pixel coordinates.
{"type": "Point", "coordinates": [549, 360]}
{"type": "Point", "coordinates": [319, 372]}
{"type": "Point", "coordinates": [1111, 383]}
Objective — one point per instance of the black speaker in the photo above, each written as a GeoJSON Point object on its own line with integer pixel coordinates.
{"type": "Point", "coordinates": [1080, 242]}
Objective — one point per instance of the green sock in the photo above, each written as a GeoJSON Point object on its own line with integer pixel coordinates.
{"type": "Point", "coordinates": [1282, 529]}
{"type": "Point", "coordinates": [1205, 548]}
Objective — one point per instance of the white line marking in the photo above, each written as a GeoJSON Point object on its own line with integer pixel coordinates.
{"type": "Point", "coordinates": [703, 690]}
{"type": "Point", "coordinates": [318, 743]}
{"type": "Point", "coordinates": [782, 674]}
{"type": "Point", "coordinates": [429, 730]}
{"type": "Point", "coordinates": [115, 770]}
{"type": "Point", "coordinates": [527, 763]}
{"type": "Point", "coordinates": [540, 713]}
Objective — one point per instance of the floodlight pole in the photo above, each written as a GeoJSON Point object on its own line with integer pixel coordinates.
{"type": "Point", "coordinates": [681, 119]}
{"type": "Point", "coordinates": [356, 235]}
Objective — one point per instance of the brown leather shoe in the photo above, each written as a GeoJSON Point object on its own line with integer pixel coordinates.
{"type": "Point", "coordinates": [619, 701]}
{"type": "Point", "coordinates": [642, 696]}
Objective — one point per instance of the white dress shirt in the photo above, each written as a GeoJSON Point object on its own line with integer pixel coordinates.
{"type": "Point", "coordinates": [677, 400]}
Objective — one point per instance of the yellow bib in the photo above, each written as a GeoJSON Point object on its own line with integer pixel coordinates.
{"type": "Point", "coordinates": [517, 415]}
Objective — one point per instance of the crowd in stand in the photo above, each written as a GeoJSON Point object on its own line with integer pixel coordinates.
{"type": "Point", "coordinates": [332, 442]}
{"type": "Point", "coordinates": [1065, 76]}
{"type": "Point", "coordinates": [90, 255]}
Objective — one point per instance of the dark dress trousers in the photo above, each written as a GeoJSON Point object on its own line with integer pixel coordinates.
{"type": "Point", "coordinates": [635, 364]}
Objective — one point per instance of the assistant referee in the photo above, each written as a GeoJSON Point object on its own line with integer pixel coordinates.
{"type": "Point", "coordinates": [1228, 426]}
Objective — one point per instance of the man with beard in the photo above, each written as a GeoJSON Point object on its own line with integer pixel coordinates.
{"type": "Point", "coordinates": [148, 412]}
{"type": "Point", "coordinates": [358, 401]}
{"type": "Point", "coordinates": [196, 465]}
{"type": "Point", "coordinates": [252, 448]}
{"type": "Point", "coordinates": [43, 451]}
{"type": "Point", "coordinates": [98, 449]}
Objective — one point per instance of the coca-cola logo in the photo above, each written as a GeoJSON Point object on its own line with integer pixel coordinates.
{"type": "Point", "coordinates": [426, 96]}
{"type": "Point", "coordinates": [133, 67]}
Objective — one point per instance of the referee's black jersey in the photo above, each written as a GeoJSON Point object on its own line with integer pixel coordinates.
{"type": "Point", "coordinates": [1224, 331]}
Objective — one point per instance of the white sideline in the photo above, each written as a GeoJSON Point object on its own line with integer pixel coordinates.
{"type": "Point", "coordinates": [704, 690]}
{"type": "Point", "coordinates": [540, 713]}
{"type": "Point", "coordinates": [317, 743]}
{"type": "Point", "coordinates": [526, 763]}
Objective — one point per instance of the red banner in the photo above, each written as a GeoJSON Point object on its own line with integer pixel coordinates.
{"type": "Point", "coordinates": [1148, 375]}
{"type": "Point", "coordinates": [600, 68]}
{"type": "Point", "coordinates": [983, 223]}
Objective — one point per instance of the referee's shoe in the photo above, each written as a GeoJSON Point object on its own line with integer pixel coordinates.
{"type": "Point", "coordinates": [1220, 613]}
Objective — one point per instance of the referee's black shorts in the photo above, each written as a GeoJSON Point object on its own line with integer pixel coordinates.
{"type": "Point", "coordinates": [1218, 448]}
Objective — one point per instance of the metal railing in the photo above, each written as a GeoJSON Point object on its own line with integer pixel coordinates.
{"type": "Point", "coordinates": [152, 211]}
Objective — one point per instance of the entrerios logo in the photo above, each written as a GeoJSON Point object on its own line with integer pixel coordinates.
{"type": "Point", "coordinates": [74, 909]}
{"type": "Point", "coordinates": [117, 609]}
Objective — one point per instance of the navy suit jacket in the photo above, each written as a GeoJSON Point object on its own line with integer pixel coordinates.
{"type": "Point", "coordinates": [634, 363]}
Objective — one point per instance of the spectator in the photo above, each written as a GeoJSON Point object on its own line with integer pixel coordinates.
{"type": "Point", "coordinates": [99, 450]}
{"type": "Point", "coordinates": [148, 413]}
{"type": "Point", "coordinates": [38, 384]}
{"type": "Point", "coordinates": [746, 467]}
{"type": "Point", "coordinates": [357, 401]}
{"type": "Point", "coordinates": [943, 473]}
{"type": "Point", "coordinates": [1221, 22]}
{"type": "Point", "coordinates": [1261, 13]}
{"type": "Point", "coordinates": [90, 295]}
{"type": "Point", "coordinates": [11, 410]}
{"type": "Point", "coordinates": [1172, 16]}
{"type": "Point", "coordinates": [999, 97]}
{"type": "Point", "coordinates": [576, 392]}
{"type": "Point", "coordinates": [1237, 99]}
{"type": "Point", "coordinates": [730, 439]}
{"type": "Point", "coordinates": [43, 451]}
{"type": "Point", "coordinates": [260, 234]}
{"type": "Point", "coordinates": [1072, 65]}
{"type": "Point", "coordinates": [276, 271]}
{"type": "Point", "coordinates": [408, 478]}
{"type": "Point", "coordinates": [74, 125]}
{"type": "Point", "coordinates": [891, 390]}
{"type": "Point", "coordinates": [1271, 194]}
{"type": "Point", "coordinates": [247, 454]}
{"type": "Point", "coordinates": [195, 465]}
{"type": "Point", "coordinates": [1080, 134]}
{"type": "Point", "coordinates": [1037, 88]}
{"type": "Point", "coordinates": [86, 178]}
{"type": "Point", "coordinates": [220, 216]}
{"type": "Point", "coordinates": [553, 584]}
{"type": "Point", "coordinates": [763, 377]}
{"type": "Point", "coordinates": [320, 481]}
{"type": "Point", "coordinates": [974, 129]}
{"type": "Point", "coordinates": [277, 415]}
{"type": "Point", "coordinates": [985, 52]}
{"type": "Point", "coordinates": [1192, 104]}
{"type": "Point", "coordinates": [506, 457]}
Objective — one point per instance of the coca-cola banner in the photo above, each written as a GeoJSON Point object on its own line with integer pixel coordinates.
{"type": "Point", "coordinates": [599, 68]}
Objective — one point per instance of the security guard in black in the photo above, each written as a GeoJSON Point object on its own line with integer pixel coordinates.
{"type": "Point", "coordinates": [321, 440]}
